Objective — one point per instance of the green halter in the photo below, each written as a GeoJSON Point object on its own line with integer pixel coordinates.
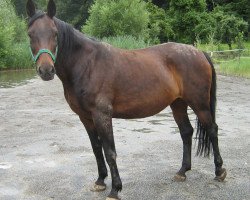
{"type": "Point", "coordinates": [41, 51]}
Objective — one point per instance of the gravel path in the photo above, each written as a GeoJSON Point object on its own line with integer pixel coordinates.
{"type": "Point", "coordinates": [45, 152]}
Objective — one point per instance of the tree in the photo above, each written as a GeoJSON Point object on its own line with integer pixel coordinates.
{"type": "Point", "coordinates": [228, 26]}
{"type": "Point", "coordinates": [160, 29]}
{"type": "Point", "coordinates": [205, 28]}
{"type": "Point", "coordinates": [186, 15]}
{"type": "Point", "coordinates": [74, 12]}
{"type": "Point", "coordinates": [117, 18]}
{"type": "Point", "coordinates": [19, 7]}
{"type": "Point", "coordinates": [239, 8]}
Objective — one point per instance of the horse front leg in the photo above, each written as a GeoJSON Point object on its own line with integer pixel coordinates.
{"type": "Point", "coordinates": [103, 123]}
{"type": "Point", "coordinates": [96, 144]}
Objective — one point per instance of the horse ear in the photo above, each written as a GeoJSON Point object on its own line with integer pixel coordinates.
{"type": "Point", "coordinates": [30, 8]}
{"type": "Point", "coordinates": [51, 9]}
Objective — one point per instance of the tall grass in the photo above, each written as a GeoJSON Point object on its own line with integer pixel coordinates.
{"type": "Point", "coordinates": [238, 67]}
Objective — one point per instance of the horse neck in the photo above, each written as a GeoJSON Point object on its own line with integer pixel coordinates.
{"type": "Point", "coordinates": [72, 49]}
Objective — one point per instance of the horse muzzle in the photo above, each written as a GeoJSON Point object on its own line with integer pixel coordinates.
{"type": "Point", "coordinates": [46, 72]}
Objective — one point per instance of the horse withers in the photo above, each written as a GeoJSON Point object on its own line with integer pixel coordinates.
{"type": "Point", "coordinates": [102, 82]}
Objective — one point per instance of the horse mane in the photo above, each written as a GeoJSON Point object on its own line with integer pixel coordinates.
{"type": "Point", "coordinates": [67, 39]}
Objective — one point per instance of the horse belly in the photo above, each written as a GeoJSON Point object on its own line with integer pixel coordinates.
{"type": "Point", "coordinates": [141, 106]}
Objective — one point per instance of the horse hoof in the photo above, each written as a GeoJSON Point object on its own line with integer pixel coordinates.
{"type": "Point", "coordinates": [222, 176]}
{"type": "Point", "coordinates": [98, 188]}
{"type": "Point", "coordinates": [179, 178]}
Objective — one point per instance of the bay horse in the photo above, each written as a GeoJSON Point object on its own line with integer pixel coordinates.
{"type": "Point", "coordinates": [102, 82]}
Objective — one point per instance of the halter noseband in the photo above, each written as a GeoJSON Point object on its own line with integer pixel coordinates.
{"type": "Point", "coordinates": [41, 51]}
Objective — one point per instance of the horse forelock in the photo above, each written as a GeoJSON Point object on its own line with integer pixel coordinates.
{"type": "Point", "coordinates": [37, 15]}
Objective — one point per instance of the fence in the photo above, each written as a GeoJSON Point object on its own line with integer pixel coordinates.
{"type": "Point", "coordinates": [229, 55]}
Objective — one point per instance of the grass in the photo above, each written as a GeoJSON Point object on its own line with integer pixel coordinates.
{"type": "Point", "coordinates": [220, 47]}
{"type": "Point", "coordinates": [228, 62]}
{"type": "Point", "coordinates": [238, 67]}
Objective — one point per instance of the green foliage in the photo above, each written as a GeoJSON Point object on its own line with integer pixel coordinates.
{"type": "Point", "coordinates": [205, 29]}
{"type": "Point", "coordinates": [228, 26]}
{"type": "Point", "coordinates": [74, 12]}
{"type": "Point", "coordinates": [239, 40]}
{"type": "Point", "coordinates": [117, 18]}
{"type": "Point", "coordinates": [239, 8]}
{"type": "Point", "coordinates": [7, 30]}
{"type": "Point", "coordinates": [186, 15]}
{"type": "Point", "coordinates": [160, 29]}
{"type": "Point", "coordinates": [126, 42]}
{"type": "Point", "coordinates": [12, 36]}
{"type": "Point", "coordinates": [19, 7]}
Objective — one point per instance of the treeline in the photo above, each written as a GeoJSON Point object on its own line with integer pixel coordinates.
{"type": "Point", "coordinates": [153, 21]}
{"type": "Point", "coordinates": [156, 20]}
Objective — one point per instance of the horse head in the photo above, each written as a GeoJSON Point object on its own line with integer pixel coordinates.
{"type": "Point", "coordinates": [42, 32]}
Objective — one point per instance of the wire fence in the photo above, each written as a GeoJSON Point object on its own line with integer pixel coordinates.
{"type": "Point", "coordinates": [229, 55]}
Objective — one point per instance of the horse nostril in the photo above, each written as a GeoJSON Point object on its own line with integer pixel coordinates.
{"type": "Point", "coordinates": [39, 70]}
{"type": "Point", "coordinates": [53, 71]}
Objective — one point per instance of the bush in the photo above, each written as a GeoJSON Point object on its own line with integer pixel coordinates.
{"type": "Point", "coordinates": [12, 37]}
{"type": "Point", "coordinates": [117, 18]}
{"type": "Point", "coordinates": [6, 31]}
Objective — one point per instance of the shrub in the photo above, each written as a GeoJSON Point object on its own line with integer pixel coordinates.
{"type": "Point", "coordinates": [12, 36]}
{"type": "Point", "coordinates": [117, 18]}
{"type": "Point", "coordinates": [6, 31]}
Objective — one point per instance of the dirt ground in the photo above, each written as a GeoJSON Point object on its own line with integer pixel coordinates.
{"type": "Point", "coordinates": [45, 152]}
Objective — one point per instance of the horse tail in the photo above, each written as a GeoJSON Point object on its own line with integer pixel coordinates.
{"type": "Point", "coordinates": [204, 143]}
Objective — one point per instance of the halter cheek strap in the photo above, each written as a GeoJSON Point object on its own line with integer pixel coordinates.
{"type": "Point", "coordinates": [41, 51]}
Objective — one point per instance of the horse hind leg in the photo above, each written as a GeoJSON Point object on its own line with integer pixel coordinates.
{"type": "Point", "coordinates": [179, 108]}
{"type": "Point", "coordinates": [208, 134]}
